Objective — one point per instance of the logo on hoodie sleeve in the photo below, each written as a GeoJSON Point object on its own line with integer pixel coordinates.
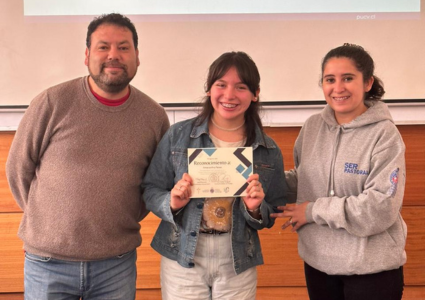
{"type": "Point", "coordinates": [394, 182]}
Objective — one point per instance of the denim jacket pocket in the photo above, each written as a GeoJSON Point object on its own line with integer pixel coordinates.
{"type": "Point", "coordinates": [266, 172]}
{"type": "Point", "coordinates": [174, 237]}
{"type": "Point", "coordinates": [179, 159]}
{"type": "Point", "coordinates": [250, 241]}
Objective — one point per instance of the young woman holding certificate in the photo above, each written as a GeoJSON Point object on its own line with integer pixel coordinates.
{"type": "Point", "coordinates": [210, 246]}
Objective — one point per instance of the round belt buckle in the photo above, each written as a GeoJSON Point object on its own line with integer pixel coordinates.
{"type": "Point", "coordinates": [220, 212]}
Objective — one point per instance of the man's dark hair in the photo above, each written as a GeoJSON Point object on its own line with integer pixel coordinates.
{"type": "Point", "coordinates": [112, 19]}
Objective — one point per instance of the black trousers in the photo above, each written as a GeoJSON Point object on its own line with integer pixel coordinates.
{"type": "Point", "coordinates": [387, 285]}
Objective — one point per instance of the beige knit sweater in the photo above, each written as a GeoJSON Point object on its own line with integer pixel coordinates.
{"type": "Point", "coordinates": [75, 168]}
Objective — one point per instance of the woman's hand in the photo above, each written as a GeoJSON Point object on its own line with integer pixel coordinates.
{"type": "Point", "coordinates": [181, 192]}
{"type": "Point", "coordinates": [254, 193]}
{"type": "Point", "coordinates": [295, 213]}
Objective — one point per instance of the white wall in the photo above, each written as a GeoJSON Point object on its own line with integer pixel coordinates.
{"type": "Point", "coordinates": [175, 52]}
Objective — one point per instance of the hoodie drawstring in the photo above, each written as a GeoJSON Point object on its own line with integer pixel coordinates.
{"type": "Point", "coordinates": [332, 170]}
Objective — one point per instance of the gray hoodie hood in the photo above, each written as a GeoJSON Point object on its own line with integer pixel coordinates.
{"type": "Point", "coordinates": [377, 112]}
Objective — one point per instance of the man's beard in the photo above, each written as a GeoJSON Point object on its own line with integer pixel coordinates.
{"type": "Point", "coordinates": [111, 84]}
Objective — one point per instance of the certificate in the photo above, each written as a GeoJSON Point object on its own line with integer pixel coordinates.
{"type": "Point", "coordinates": [219, 172]}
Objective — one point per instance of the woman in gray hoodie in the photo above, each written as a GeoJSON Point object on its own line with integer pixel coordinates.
{"type": "Point", "coordinates": [349, 181]}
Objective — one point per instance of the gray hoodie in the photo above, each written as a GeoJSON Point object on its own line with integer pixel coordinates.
{"type": "Point", "coordinates": [354, 176]}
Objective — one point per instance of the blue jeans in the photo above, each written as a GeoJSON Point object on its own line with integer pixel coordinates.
{"type": "Point", "coordinates": [47, 278]}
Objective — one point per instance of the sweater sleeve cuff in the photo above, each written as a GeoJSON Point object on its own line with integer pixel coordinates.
{"type": "Point", "coordinates": [309, 213]}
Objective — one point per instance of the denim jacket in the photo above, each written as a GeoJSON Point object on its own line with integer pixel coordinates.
{"type": "Point", "coordinates": [177, 234]}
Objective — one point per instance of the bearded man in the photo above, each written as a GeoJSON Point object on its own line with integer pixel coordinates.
{"type": "Point", "coordinates": [75, 168]}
